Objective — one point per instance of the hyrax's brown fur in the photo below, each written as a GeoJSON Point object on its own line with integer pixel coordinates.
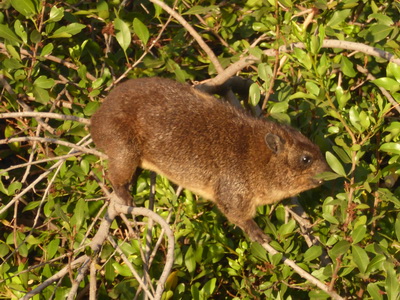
{"type": "Point", "coordinates": [204, 145]}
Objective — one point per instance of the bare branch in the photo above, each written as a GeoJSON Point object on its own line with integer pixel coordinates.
{"type": "Point", "coordinates": [395, 104]}
{"type": "Point", "coordinates": [168, 232]}
{"type": "Point", "coordinates": [303, 273]}
{"type": "Point", "coordinates": [193, 33]}
{"type": "Point", "coordinates": [64, 271]}
{"type": "Point", "coordinates": [44, 115]}
{"type": "Point", "coordinates": [55, 141]}
{"type": "Point", "coordinates": [251, 59]}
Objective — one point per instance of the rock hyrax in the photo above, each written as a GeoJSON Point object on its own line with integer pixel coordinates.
{"type": "Point", "coordinates": [204, 145]}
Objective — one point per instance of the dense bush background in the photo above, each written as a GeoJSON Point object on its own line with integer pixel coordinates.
{"type": "Point", "coordinates": [63, 56]}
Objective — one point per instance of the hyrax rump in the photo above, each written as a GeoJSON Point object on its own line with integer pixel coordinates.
{"type": "Point", "coordinates": [204, 145]}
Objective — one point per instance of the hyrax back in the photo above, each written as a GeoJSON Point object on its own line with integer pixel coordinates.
{"type": "Point", "coordinates": [204, 145]}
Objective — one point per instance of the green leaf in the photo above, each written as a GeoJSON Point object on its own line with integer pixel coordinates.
{"type": "Point", "coordinates": [14, 186]}
{"type": "Point", "coordinates": [123, 35]}
{"type": "Point", "coordinates": [47, 50]}
{"type": "Point", "coordinates": [359, 233]}
{"type": "Point", "coordinates": [393, 70]}
{"type": "Point", "coordinates": [391, 148]}
{"type": "Point", "coordinates": [7, 34]}
{"type": "Point", "coordinates": [355, 118]}
{"type": "Point", "coordinates": [190, 261]}
{"type": "Point", "coordinates": [52, 248]}
{"type": "Point", "coordinates": [122, 269]}
{"type": "Point", "coordinates": [338, 17]}
{"type": "Point", "coordinates": [35, 36]}
{"type": "Point", "coordinates": [303, 57]}
{"type": "Point", "coordinates": [265, 71]}
{"type": "Point", "coordinates": [103, 10]}
{"type": "Point", "coordinates": [364, 120]}
{"type": "Point", "coordinates": [387, 83]}
{"type": "Point", "coordinates": [208, 288]}
{"type": "Point", "coordinates": [397, 227]}
{"type": "Point", "coordinates": [20, 31]}
{"type": "Point", "coordinates": [44, 82]}
{"type": "Point", "coordinates": [392, 286]}
{"type": "Point", "coordinates": [14, 53]}
{"type": "Point", "coordinates": [41, 95]}
{"type": "Point", "coordinates": [141, 30]}
{"type": "Point", "coordinates": [312, 88]}
{"type": "Point", "coordinates": [312, 253]}
{"type": "Point", "coordinates": [276, 258]}
{"type": "Point", "coordinates": [343, 155]}
{"type": "Point", "coordinates": [56, 14]}
{"type": "Point", "coordinates": [31, 205]}
{"type": "Point", "coordinates": [80, 211]}
{"type": "Point", "coordinates": [195, 292]}
{"type": "Point", "coordinates": [382, 19]}
{"type": "Point", "coordinates": [287, 228]}
{"type": "Point", "coordinates": [259, 27]}
{"type": "Point", "coordinates": [200, 10]}
{"type": "Point", "coordinates": [378, 32]}
{"type": "Point", "coordinates": [376, 263]}
{"type": "Point", "coordinates": [68, 31]}
{"type": "Point", "coordinates": [335, 164]}
{"type": "Point", "coordinates": [24, 7]}
{"type": "Point", "coordinates": [347, 67]}
{"type": "Point", "coordinates": [340, 248]}
{"type": "Point", "coordinates": [258, 251]}
{"type": "Point", "coordinates": [279, 107]}
{"type": "Point", "coordinates": [360, 257]}
{"type": "Point", "coordinates": [91, 108]}
{"type": "Point", "coordinates": [254, 94]}
{"type": "Point", "coordinates": [12, 64]}
{"type": "Point", "coordinates": [4, 250]}
{"type": "Point", "coordinates": [374, 291]}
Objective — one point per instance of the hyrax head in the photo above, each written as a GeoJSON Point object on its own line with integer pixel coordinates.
{"type": "Point", "coordinates": [298, 161]}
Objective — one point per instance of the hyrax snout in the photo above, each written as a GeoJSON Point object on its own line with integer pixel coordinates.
{"type": "Point", "coordinates": [204, 145]}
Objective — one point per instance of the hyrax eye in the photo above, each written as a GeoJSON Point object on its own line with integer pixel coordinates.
{"type": "Point", "coordinates": [306, 159]}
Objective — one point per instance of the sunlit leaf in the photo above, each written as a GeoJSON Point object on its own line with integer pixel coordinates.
{"type": "Point", "coordinates": [123, 34]}
{"type": "Point", "coordinates": [254, 94]}
{"type": "Point", "coordinates": [359, 233]}
{"type": "Point", "coordinates": [200, 10]}
{"type": "Point", "coordinates": [7, 34]}
{"type": "Point", "coordinates": [391, 148]}
{"type": "Point", "coordinates": [335, 164]}
{"type": "Point", "coordinates": [24, 7]}
{"type": "Point", "coordinates": [68, 31]}
{"type": "Point", "coordinates": [387, 83]}
{"type": "Point", "coordinates": [340, 248]}
{"type": "Point", "coordinates": [378, 32]}
{"type": "Point", "coordinates": [141, 30]}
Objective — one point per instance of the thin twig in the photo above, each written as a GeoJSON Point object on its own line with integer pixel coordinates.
{"type": "Point", "coordinates": [193, 33]}
{"type": "Point", "coordinates": [303, 273]}
{"type": "Point", "coordinates": [60, 274]}
{"type": "Point", "coordinates": [250, 59]}
{"type": "Point", "coordinates": [54, 141]}
{"type": "Point", "coordinates": [35, 114]}
{"type": "Point", "coordinates": [54, 59]}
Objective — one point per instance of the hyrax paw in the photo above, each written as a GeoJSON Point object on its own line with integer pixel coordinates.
{"type": "Point", "coordinates": [260, 237]}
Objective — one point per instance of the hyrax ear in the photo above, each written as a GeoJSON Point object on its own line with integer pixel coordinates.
{"type": "Point", "coordinates": [274, 142]}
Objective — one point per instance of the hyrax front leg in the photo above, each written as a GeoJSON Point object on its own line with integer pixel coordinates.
{"type": "Point", "coordinates": [123, 163]}
{"type": "Point", "coordinates": [240, 211]}
{"type": "Point", "coordinates": [253, 231]}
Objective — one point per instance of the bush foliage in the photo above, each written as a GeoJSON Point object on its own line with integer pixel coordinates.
{"type": "Point", "coordinates": [64, 56]}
